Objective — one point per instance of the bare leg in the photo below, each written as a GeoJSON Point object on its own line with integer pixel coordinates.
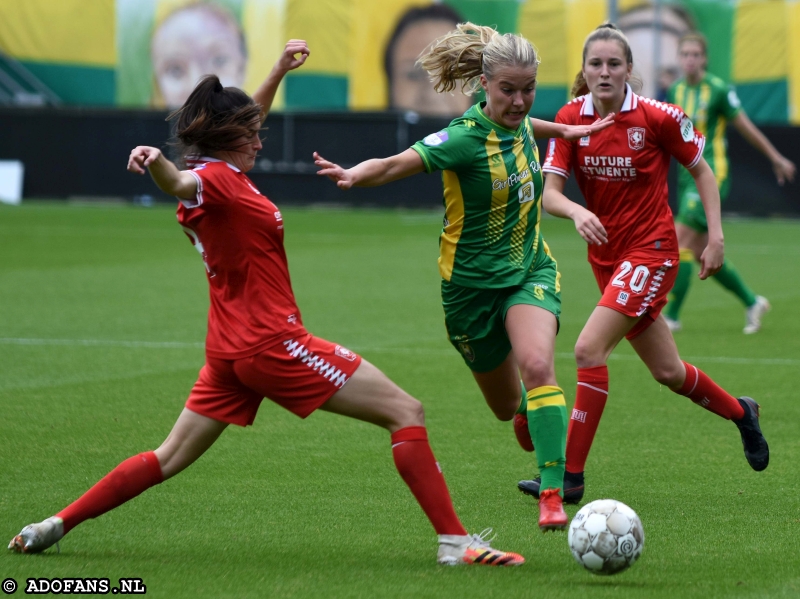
{"type": "Point", "coordinates": [190, 437]}
{"type": "Point", "coordinates": [370, 396]}
{"type": "Point", "coordinates": [532, 332]}
{"type": "Point", "coordinates": [656, 347]}
{"type": "Point", "coordinates": [600, 335]}
{"type": "Point", "coordinates": [501, 388]}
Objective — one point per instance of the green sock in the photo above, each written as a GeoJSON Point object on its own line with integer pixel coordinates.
{"type": "Point", "coordinates": [547, 423]}
{"type": "Point", "coordinates": [523, 403]}
{"type": "Point", "coordinates": [730, 279]}
{"type": "Point", "coordinates": [681, 288]}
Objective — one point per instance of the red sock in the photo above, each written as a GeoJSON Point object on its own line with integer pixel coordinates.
{"type": "Point", "coordinates": [126, 481]}
{"type": "Point", "coordinates": [590, 401]}
{"type": "Point", "coordinates": [699, 387]}
{"type": "Point", "coordinates": [419, 469]}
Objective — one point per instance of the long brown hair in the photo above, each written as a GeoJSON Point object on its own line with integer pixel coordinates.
{"type": "Point", "coordinates": [212, 119]}
{"type": "Point", "coordinates": [606, 31]}
{"type": "Point", "coordinates": [469, 51]}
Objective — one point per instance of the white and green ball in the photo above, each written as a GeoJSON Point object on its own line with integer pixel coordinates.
{"type": "Point", "coordinates": [606, 536]}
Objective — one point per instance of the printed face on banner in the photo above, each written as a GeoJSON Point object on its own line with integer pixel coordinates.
{"type": "Point", "coordinates": [410, 87]}
{"type": "Point", "coordinates": [194, 41]}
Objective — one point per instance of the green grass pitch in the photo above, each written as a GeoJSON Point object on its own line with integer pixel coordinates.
{"type": "Point", "coordinates": [102, 319]}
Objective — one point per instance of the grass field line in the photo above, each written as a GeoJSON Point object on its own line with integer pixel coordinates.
{"type": "Point", "coordinates": [365, 349]}
{"type": "Point", "coordinates": [622, 357]}
{"type": "Point", "coordinates": [103, 343]}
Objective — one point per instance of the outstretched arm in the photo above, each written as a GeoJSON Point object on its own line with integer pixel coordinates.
{"type": "Point", "coordinates": [544, 129]}
{"type": "Point", "coordinates": [373, 172]}
{"type": "Point", "coordinates": [556, 203]}
{"type": "Point", "coordinates": [292, 57]}
{"type": "Point", "coordinates": [714, 254]}
{"type": "Point", "coordinates": [166, 175]}
{"type": "Point", "coordinates": [783, 167]}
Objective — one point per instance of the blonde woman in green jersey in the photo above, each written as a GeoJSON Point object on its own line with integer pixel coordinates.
{"type": "Point", "coordinates": [711, 103]}
{"type": "Point", "coordinates": [500, 283]}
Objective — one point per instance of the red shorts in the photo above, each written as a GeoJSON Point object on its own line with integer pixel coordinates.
{"type": "Point", "coordinates": [637, 286]}
{"type": "Point", "coordinates": [299, 374]}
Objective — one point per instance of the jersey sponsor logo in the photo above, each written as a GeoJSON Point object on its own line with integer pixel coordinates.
{"type": "Point", "coordinates": [513, 179]}
{"type": "Point", "coordinates": [619, 168]}
{"type": "Point", "coordinates": [345, 353]}
{"type": "Point", "coordinates": [636, 138]}
{"type": "Point", "coordinates": [292, 318]}
{"type": "Point", "coordinates": [584, 141]}
{"type": "Point", "coordinates": [435, 139]}
{"type": "Point", "coordinates": [687, 129]}
{"type": "Point", "coordinates": [469, 123]}
{"type": "Point", "coordinates": [319, 365]}
{"type": "Point", "coordinates": [578, 415]}
{"type": "Point", "coordinates": [623, 298]}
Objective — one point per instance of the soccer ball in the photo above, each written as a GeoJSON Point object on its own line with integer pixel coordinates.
{"type": "Point", "coordinates": [606, 536]}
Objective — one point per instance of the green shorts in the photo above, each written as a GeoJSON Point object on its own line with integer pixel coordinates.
{"type": "Point", "coordinates": [475, 318]}
{"type": "Point", "coordinates": [690, 210]}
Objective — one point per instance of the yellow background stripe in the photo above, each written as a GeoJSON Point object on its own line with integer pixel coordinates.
{"type": "Point", "coordinates": [793, 66]}
{"type": "Point", "coordinates": [60, 31]}
{"type": "Point", "coordinates": [759, 41]}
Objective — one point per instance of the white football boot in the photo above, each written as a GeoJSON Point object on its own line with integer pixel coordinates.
{"type": "Point", "coordinates": [754, 314]}
{"type": "Point", "coordinates": [37, 537]}
{"type": "Point", "coordinates": [456, 550]}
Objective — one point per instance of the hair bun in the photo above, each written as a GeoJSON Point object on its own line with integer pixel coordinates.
{"type": "Point", "coordinates": [218, 85]}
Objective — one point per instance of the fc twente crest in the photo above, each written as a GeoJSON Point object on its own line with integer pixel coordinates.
{"type": "Point", "coordinates": [636, 138]}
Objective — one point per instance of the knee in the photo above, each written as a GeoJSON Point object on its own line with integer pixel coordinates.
{"type": "Point", "coordinates": [537, 372]}
{"type": "Point", "coordinates": [669, 375]}
{"type": "Point", "coordinates": [408, 412]}
{"type": "Point", "coordinates": [587, 354]}
{"type": "Point", "coordinates": [507, 411]}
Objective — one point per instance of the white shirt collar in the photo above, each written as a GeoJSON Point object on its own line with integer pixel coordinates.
{"type": "Point", "coordinates": [196, 158]}
{"type": "Point", "coordinates": [630, 103]}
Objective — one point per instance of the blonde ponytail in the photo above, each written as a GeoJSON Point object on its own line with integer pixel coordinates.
{"type": "Point", "coordinates": [469, 51]}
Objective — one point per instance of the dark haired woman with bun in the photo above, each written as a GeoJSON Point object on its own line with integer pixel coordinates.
{"type": "Point", "coordinates": [257, 345]}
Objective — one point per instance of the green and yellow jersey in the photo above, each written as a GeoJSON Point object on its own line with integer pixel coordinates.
{"type": "Point", "coordinates": [492, 199]}
{"type": "Point", "coordinates": [710, 105]}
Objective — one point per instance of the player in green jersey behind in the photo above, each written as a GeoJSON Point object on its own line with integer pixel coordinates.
{"type": "Point", "coordinates": [710, 103]}
{"type": "Point", "coordinates": [500, 284]}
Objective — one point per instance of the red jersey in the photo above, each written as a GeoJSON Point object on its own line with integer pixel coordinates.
{"type": "Point", "coordinates": [622, 171]}
{"type": "Point", "coordinates": [239, 234]}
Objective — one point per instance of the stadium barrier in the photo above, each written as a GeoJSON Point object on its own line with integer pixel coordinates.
{"type": "Point", "coordinates": [79, 153]}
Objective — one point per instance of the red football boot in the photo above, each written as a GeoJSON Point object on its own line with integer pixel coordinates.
{"type": "Point", "coordinates": [522, 432]}
{"type": "Point", "coordinates": [551, 511]}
